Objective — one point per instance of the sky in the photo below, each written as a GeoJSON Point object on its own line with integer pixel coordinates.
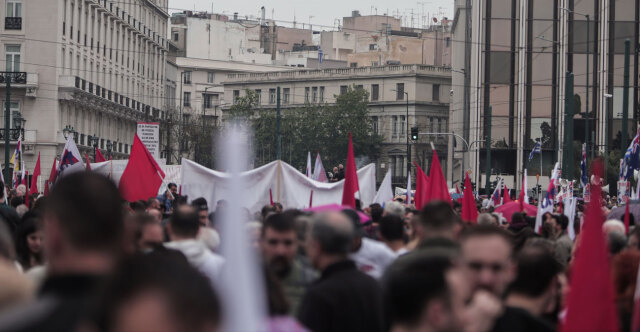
{"type": "Point", "coordinates": [322, 13]}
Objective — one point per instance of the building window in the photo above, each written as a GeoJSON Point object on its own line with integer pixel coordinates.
{"type": "Point", "coordinates": [187, 99]}
{"type": "Point", "coordinates": [431, 123]}
{"type": "Point", "coordinates": [210, 77]}
{"type": "Point", "coordinates": [375, 92]}
{"type": "Point", "coordinates": [399, 91]}
{"type": "Point", "coordinates": [259, 95]}
{"type": "Point", "coordinates": [448, 42]}
{"type": "Point", "coordinates": [187, 77]}
{"type": "Point", "coordinates": [353, 64]}
{"type": "Point", "coordinates": [306, 94]}
{"type": "Point", "coordinates": [373, 47]}
{"type": "Point", "coordinates": [286, 95]}
{"type": "Point", "coordinates": [394, 126]}
{"type": "Point", "coordinates": [272, 96]}
{"type": "Point", "coordinates": [12, 57]}
{"type": "Point", "coordinates": [436, 92]}
{"type": "Point", "coordinates": [236, 95]}
{"type": "Point", "coordinates": [14, 9]}
{"type": "Point", "coordinates": [322, 94]}
{"type": "Point", "coordinates": [343, 89]}
{"type": "Point", "coordinates": [374, 122]}
{"type": "Point", "coordinates": [175, 36]}
{"type": "Point", "coordinates": [403, 126]}
{"type": "Point", "coordinates": [374, 63]}
{"type": "Point", "coordinates": [314, 94]}
{"type": "Point", "coordinates": [439, 125]}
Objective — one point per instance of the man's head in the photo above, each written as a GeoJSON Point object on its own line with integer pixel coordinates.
{"type": "Point", "coordinates": [184, 223]}
{"type": "Point", "coordinates": [21, 191]}
{"type": "Point", "coordinates": [150, 234]}
{"type": "Point", "coordinates": [393, 208]}
{"type": "Point", "coordinates": [160, 291]}
{"type": "Point", "coordinates": [391, 228]}
{"type": "Point", "coordinates": [335, 170]}
{"type": "Point", "coordinates": [279, 243]}
{"type": "Point", "coordinates": [156, 214]}
{"type": "Point", "coordinates": [153, 203]}
{"type": "Point", "coordinates": [83, 216]}
{"type": "Point", "coordinates": [437, 219]}
{"type": "Point", "coordinates": [201, 207]}
{"type": "Point", "coordinates": [329, 238]}
{"type": "Point", "coordinates": [426, 292]}
{"type": "Point", "coordinates": [487, 258]}
{"type": "Point", "coordinates": [536, 278]}
{"type": "Point", "coordinates": [173, 188]}
{"type": "Point", "coordinates": [486, 219]}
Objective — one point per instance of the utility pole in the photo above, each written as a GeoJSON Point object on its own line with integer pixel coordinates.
{"type": "Point", "coordinates": [407, 135]}
{"type": "Point", "coordinates": [625, 97]}
{"type": "Point", "coordinates": [587, 133]}
{"type": "Point", "coordinates": [278, 126]}
{"type": "Point", "coordinates": [487, 137]}
{"type": "Point", "coordinates": [567, 153]}
{"type": "Point", "coordinates": [7, 124]}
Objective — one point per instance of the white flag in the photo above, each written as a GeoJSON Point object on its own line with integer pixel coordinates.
{"type": "Point", "coordinates": [308, 164]}
{"type": "Point", "coordinates": [570, 212]}
{"type": "Point", "coordinates": [385, 192]}
{"type": "Point", "coordinates": [318, 170]}
{"type": "Point", "coordinates": [540, 214]}
{"type": "Point", "coordinates": [408, 189]}
{"type": "Point", "coordinates": [70, 160]}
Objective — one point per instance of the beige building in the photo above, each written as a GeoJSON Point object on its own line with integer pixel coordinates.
{"type": "Point", "coordinates": [96, 66]}
{"type": "Point", "coordinates": [427, 88]}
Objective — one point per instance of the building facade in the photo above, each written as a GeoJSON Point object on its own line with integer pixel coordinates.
{"type": "Point", "coordinates": [95, 66]}
{"type": "Point", "coordinates": [518, 56]}
{"type": "Point", "coordinates": [426, 106]}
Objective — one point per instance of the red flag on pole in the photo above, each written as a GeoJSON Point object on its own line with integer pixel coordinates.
{"type": "Point", "coordinates": [469, 211]}
{"type": "Point", "coordinates": [99, 157]}
{"type": "Point", "coordinates": [350, 179]}
{"type": "Point", "coordinates": [88, 162]}
{"type": "Point", "coordinates": [24, 178]}
{"type": "Point", "coordinates": [438, 189]}
{"type": "Point", "coordinates": [591, 302]}
{"type": "Point", "coordinates": [522, 192]}
{"type": "Point", "coordinates": [143, 176]}
{"type": "Point", "coordinates": [34, 177]}
{"type": "Point", "coordinates": [506, 197]}
{"type": "Point", "coordinates": [311, 199]}
{"type": "Point", "coordinates": [52, 177]}
{"type": "Point", "coordinates": [626, 218]}
{"type": "Point", "coordinates": [270, 197]}
{"type": "Point", "coordinates": [422, 185]}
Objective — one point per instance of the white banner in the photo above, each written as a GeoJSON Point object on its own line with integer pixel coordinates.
{"type": "Point", "coordinates": [149, 134]}
{"type": "Point", "coordinates": [288, 186]}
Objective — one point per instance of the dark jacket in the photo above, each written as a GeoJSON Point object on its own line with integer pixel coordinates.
{"type": "Point", "coordinates": [63, 301]}
{"type": "Point", "coordinates": [343, 299]}
{"type": "Point", "coordinates": [516, 319]}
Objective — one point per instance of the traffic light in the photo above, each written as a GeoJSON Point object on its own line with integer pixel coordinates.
{"type": "Point", "coordinates": [414, 133]}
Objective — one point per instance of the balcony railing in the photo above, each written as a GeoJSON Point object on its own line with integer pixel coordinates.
{"type": "Point", "coordinates": [13, 23]}
{"type": "Point", "coordinates": [14, 134]}
{"type": "Point", "coordinates": [14, 77]}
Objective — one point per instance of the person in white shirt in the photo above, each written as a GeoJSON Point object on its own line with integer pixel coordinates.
{"type": "Point", "coordinates": [183, 230]}
{"type": "Point", "coordinates": [371, 257]}
{"type": "Point", "coordinates": [391, 232]}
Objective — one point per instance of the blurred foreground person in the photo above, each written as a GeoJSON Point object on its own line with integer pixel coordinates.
{"type": "Point", "coordinates": [156, 292]}
{"type": "Point", "coordinates": [16, 289]}
{"type": "Point", "coordinates": [83, 226]}
{"type": "Point", "coordinates": [371, 257]}
{"type": "Point", "coordinates": [279, 246]}
{"type": "Point", "coordinates": [29, 238]}
{"type": "Point", "coordinates": [343, 299]}
{"type": "Point", "coordinates": [183, 230]}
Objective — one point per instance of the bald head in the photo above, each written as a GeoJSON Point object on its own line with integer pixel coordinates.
{"type": "Point", "coordinates": [156, 214]}
{"type": "Point", "coordinates": [333, 232]}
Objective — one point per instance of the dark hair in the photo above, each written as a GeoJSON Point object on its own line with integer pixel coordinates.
{"type": "Point", "coordinates": [184, 222]}
{"type": "Point", "coordinates": [391, 228]}
{"type": "Point", "coordinates": [266, 210]}
{"type": "Point", "coordinates": [279, 222]}
{"type": "Point", "coordinates": [376, 212]}
{"type": "Point", "coordinates": [438, 215]}
{"type": "Point", "coordinates": [88, 209]}
{"type": "Point", "coordinates": [191, 300]}
{"type": "Point", "coordinates": [1, 189]}
{"type": "Point", "coordinates": [412, 284]}
{"type": "Point", "coordinates": [141, 220]}
{"type": "Point", "coordinates": [171, 184]}
{"type": "Point", "coordinates": [486, 231]}
{"type": "Point", "coordinates": [200, 204]}
{"type": "Point", "coordinates": [536, 270]}
{"type": "Point", "coordinates": [16, 201]}
{"type": "Point", "coordinates": [138, 206]}
{"type": "Point", "coordinates": [30, 224]}
{"type": "Point", "coordinates": [563, 221]}
{"type": "Point", "coordinates": [358, 228]}
{"type": "Point", "coordinates": [333, 240]}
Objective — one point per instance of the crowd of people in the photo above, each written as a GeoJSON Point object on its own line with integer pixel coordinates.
{"type": "Point", "coordinates": [81, 259]}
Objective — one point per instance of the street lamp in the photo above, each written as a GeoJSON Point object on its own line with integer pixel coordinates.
{"type": "Point", "coordinates": [68, 131]}
{"type": "Point", "coordinates": [586, 109]}
{"type": "Point", "coordinates": [93, 141]}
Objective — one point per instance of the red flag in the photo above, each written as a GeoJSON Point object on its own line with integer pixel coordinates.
{"type": "Point", "coordinates": [506, 197]}
{"type": "Point", "coordinates": [24, 179]}
{"type": "Point", "coordinates": [311, 199]}
{"type": "Point", "coordinates": [469, 211]}
{"type": "Point", "coordinates": [142, 177]}
{"type": "Point", "coordinates": [26, 194]}
{"type": "Point", "coordinates": [52, 177]}
{"type": "Point", "coordinates": [459, 200]}
{"type": "Point", "coordinates": [270, 197]}
{"type": "Point", "coordinates": [350, 179]}
{"type": "Point", "coordinates": [522, 192]}
{"type": "Point", "coordinates": [626, 218]}
{"type": "Point", "coordinates": [34, 177]}
{"type": "Point", "coordinates": [422, 185]}
{"type": "Point", "coordinates": [88, 162]}
{"type": "Point", "coordinates": [591, 302]}
{"type": "Point", "coordinates": [99, 157]}
{"type": "Point", "coordinates": [438, 189]}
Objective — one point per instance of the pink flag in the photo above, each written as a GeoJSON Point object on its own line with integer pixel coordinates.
{"type": "Point", "coordinates": [34, 177]}
{"type": "Point", "coordinates": [318, 170]}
